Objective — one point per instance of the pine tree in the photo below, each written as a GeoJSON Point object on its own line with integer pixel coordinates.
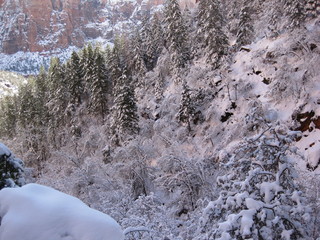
{"type": "Point", "coordinates": [59, 96]}
{"type": "Point", "coordinates": [155, 41]}
{"type": "Point", "coordinates": [114, 66]}
{"type": "Point", "coordinates": [136, 64]}
{"type": "Point", "coordinates": [74, 79]}
{"type": "Point", "coordinates": [99, 85]}
{"type": "Point", "coordinates": [151, 41]}
{"type": "Point", "coordinates": [176, 34]}
{"type": "Point", "coordinates": [40, 97]}
{"type": "Point", "coordinates": [125, 117]}
{"type": "Point", "coordinates": [146, 45]}
{"type": "Point", "coordinates": [26, 107]}
{"type": "Point", "coordinates": [8, 116]}
{"type": "Point", "coordinates": [245, 28]}
{"type": "Point", "coordinates": [88, 68]}
{"type": "Point", "coordinates": [121, 42]}
{"type": "Point", "coordinates": [187, 109]}
{"type": "Point", "coordinates": [211, 37]}
{"type": "Point", "coordinates": [259, 198]}
{"type": "Point", "coordinates": [11, 169]}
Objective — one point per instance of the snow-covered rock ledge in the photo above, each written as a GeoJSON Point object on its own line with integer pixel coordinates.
{"type": "Point", "coordinates": [36, 212]}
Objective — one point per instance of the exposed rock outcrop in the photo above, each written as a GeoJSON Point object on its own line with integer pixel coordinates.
{"type": "Point", "coordinates": [44, 25]}
{"type": "Point", "coordinates": [48, 25]}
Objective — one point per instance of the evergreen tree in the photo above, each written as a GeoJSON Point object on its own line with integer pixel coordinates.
{"type": "Point", "coordinates": [59, 95]}
{"type": "Point", "coordinates": [120, 49]}
{"type": "Point", "coordinates": [11, 169]}
{"type": "Point", "coordinates": [83, 59]}
{"type": "Point", "coordinates": [155, 41]}
{"type": "Point", "coordinates": [114, 66]}
{"type": "Point", "coordinates": [99, 85]}
{"type": "Point", "coordinates": [8, 116]}
{"type": "Point", "coordinates": [136, 64]}
{"type": "Point", "coordinates": [74, 79]}
{"type": "Point", "coordinates": [159, 87]}
{"type": "Point", "coordinates": [187, 109]}
{"type": "Point", "coordinates": [40, 97]}
{"type": "Point", "coordinates": [259, 198]}
{"type": "Point", "coordinates": [125, 117]}
{"type": "Point", "coordinates": [151, 41]}
{"type": "Point", "coordinates": [245, 28]}
{"type": "Point", "coordinates": [88, 68]}
{"type": "Point", "coordinates": [26, 106]}
{"type": "Point", "coordinates": [146, 47]}
{"type": "Point", "coordinates": [210, 35]}
{"type": "Point", "coordinates": [176, 34]}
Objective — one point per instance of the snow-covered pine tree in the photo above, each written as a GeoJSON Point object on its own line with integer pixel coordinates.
{"type": "Point", "coordinates": [213, 41]}
{"type": "Point", "coordinates": [58, 90]}
{"type": "Point", "coordinates": [156, 41]}
{"type": "Point", "coordinates": [186, 110]}
{"type": "Point", "coordinates": [295, 10]}
{"type": "Point", "coordinates": [8, 116]}
{"type": "Point", "coordinates": [121, 51]}
{"type": "Point", "coordinates": [58, 100]}
{"type": "Point", "coordinates": [259, 198]}
{"type": "Point", "coordinates": [125, 118]}
{"type": "Point", "coordinates": [136, 64]}
{"type": "Point", "coordinates": [99, 85]}
{"type": "Point", "coordinates": [26, 107]}
{"type": "Point", "coordinates": [114, 64]}
{"type": "Point", "coordinates": [245, 27]}
{"type": "Point", "coordinates": [11, 169]}
{"type": "Point", "coordinates": [147, 44]}
{"type": "Point", "coordinates": [39, 139]}
{"type": "Point", "coordinates": [83, 55]}
{"type": "Point", "coordinates": [74, 79]}
{"type": "Point", "coordinates": [40, 95]}
{"type": "Point", "coordinates": [176, 34]}
{"type": "Point", "coordinates": [88, 68]}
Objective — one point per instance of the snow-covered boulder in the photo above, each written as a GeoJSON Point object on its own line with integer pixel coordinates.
{"type": "Point", "coordinates": [36, 212]}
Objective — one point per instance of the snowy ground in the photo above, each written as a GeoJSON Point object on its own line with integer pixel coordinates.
{"type": "Point", "coordinates": [35, 212]}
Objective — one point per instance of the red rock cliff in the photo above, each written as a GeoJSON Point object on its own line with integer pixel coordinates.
{"type": "Point", "coordinates": [44, 25]}
{"type": "Point", "coordinates": [48, 25]}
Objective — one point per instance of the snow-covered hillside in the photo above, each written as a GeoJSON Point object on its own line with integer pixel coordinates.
{"type": "Point", "coordinates": [243, 164]}
{"type": "Point", "coordinates": [266, 83]}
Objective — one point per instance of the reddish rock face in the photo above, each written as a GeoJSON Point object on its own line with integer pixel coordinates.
{"type": "Point", "coordinates": [48, 25]}
{"type": "Point", "coordinates": [44, 25]}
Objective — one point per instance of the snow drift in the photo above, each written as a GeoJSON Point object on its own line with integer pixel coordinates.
{"type": "Point", "coordinates": [36, 212]}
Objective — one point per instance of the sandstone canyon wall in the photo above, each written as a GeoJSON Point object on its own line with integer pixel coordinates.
{"type": "Point", "coordinates": [48, 25]}
{"type": "Point", "coordinates": [44, 25]}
